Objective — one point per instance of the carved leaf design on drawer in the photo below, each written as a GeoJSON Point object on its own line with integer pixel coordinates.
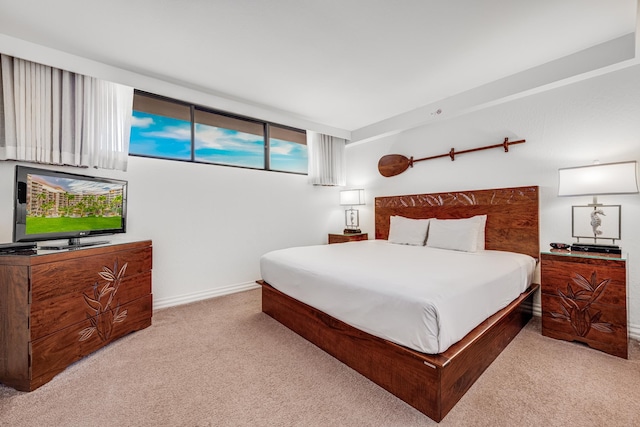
{"type": "Point", "coordinates": [577, 305]}
{"type": "Point", "coordinates": [101, 315]}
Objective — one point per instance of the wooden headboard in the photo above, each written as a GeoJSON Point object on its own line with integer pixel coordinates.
{"type": "Point", "coordinates": [512, 214]}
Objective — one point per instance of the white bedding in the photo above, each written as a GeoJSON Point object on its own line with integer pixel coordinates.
{"type": "Point", "coordinates": [420, 297]}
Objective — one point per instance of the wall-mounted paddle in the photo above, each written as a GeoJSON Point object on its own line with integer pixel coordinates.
{"type": "Point", "coordinates": [395, 164]}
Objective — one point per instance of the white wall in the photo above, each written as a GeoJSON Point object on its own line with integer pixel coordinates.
{"type": "Point", "coordinates": [568, 126]}
{"type": "Point", "coordinates": [210, 224]}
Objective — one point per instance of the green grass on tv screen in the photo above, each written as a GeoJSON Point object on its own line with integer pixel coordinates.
{"type": "Point", "coordinates": [39, 225]}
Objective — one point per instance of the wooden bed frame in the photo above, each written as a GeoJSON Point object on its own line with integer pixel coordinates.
{"type": "Point", "coordinates": [433, 384]}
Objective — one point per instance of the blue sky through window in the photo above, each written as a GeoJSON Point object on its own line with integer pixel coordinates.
{"type": "Point", "coordinates": [231, 147]}
{"type": "Point", "coordinates": [159, 136]}
{"type": "Point", "coordinates": [165, 137]}
{"type": "Point", "coordinates": [288, 156]}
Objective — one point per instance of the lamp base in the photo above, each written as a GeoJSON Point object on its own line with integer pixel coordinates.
{"type": "Point", "coordinates": [352, 231]}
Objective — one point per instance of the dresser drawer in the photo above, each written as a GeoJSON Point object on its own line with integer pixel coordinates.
{"type": "Point", "coordinates": [572, 277]}
{"type": "Point", "coordinates": [71, 276]}
{"type": "Point", "coordinates": [600, 326]}
{"type": "Point", "coordinates": [55, 313]}
{"type": "Point", "coordinates": [53, 353]}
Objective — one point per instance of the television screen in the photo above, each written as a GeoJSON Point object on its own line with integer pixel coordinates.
{"type": "Point", "coordinates": [53, 205]}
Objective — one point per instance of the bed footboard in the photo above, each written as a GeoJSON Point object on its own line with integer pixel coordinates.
{"type": "Point", "coordinates": [433, 384]}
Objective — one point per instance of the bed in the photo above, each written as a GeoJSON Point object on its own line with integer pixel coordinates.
{"type": "Point", "coordinates": [431, 374]}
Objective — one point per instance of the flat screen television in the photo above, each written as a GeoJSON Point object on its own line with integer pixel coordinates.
{"type": "Point", "coordinates": [52, 205]}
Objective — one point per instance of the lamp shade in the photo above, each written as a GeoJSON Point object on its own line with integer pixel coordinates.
{"type": "Point", "coordinates": [352, 197]}
{"type": "Point", "coordinates": [593, 180]}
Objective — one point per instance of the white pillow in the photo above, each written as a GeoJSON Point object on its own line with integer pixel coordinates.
{"type": "Point", "coordinates": [465, 234]}
{"type": "Point", "coordinates": [482, 219]}
{"type": "Point", "coordinates": [408, 231]}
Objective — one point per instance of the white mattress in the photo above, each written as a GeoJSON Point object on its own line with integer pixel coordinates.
{"type": "Point", "coordinates": [423, 298]}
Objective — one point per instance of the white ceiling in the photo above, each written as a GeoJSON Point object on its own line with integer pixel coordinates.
{"type": "Point", "coordinates": [347, 64]}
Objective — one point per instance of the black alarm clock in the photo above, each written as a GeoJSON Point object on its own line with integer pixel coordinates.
{"type": "Point", "coordinates": [560, 245]}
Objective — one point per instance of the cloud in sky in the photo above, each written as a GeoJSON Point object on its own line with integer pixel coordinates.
{"type": "Point", "coordinates": [87, 187]}
{"type": "Point", "coordinates": [141, 122]}
{"type": "Point", "coordinates": [78, 186]}
{"type": "Point", "coordinates": [226, 139]}
{"type": "Point", "coordinates": [178, 133]}
{"type": "Point", "coordinates": [282, 148]}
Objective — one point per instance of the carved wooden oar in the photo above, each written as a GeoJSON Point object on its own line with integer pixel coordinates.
{"type": "Point", "coordinates": [395, 164]}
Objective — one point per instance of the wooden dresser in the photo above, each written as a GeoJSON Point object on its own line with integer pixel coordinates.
{"type": "Point", "coordinates": [59, 306]}
{"type": "Point", "coordinates": [584, 298]}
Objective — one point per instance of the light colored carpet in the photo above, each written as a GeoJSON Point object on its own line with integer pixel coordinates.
{"type": "Point", "coordinates": [222, 362]}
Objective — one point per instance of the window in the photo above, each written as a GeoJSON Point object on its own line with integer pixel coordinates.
{"type": "Point", "coordinates": [169, 129]}
{"type": "Point", "coordinates": [160, 128]}
{"type": "Point", "coordinates": [288, 150]}
{"type": "Point", "coordinates": [228, 141]}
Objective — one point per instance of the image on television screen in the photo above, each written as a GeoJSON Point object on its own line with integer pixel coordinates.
{"type": "Point", "coordinates": [58, 205]}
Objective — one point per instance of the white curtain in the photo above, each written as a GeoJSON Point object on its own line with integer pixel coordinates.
{"type": "Point", "coordinates": [57, 117]}
{"type": "Point", "coordinates": [327, 159]}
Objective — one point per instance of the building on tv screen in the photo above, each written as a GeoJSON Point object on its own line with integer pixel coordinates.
{"type": "Point", "coordinates": [65, 204]}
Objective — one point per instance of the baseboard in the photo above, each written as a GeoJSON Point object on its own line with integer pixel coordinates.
{"type": "Point", "coordinates": [198, 296]}
{"type": "Point", "coordinates": [634, 332]}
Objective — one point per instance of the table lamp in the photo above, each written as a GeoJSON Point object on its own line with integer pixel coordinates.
{"type": "Point", "coordinates": [351, 216]}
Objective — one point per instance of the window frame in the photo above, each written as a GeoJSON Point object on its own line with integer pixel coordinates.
{"type": "Point", "coordinates": [266, 126]}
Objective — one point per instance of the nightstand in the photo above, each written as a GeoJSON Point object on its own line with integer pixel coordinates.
{"type": "Point", "coordinates": [584, 298]}
{"type": "Point", "coordinates": [342, 238]}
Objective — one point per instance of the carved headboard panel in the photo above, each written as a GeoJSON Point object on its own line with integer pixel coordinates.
{"type": "Point", "coordinates": [512, 214]}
